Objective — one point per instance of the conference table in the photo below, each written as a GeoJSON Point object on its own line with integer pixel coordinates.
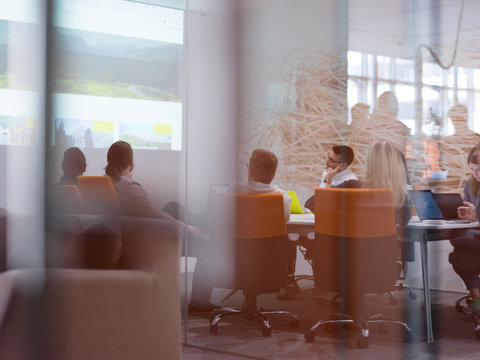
{"type": "Point", "coordinates": [420, 231]}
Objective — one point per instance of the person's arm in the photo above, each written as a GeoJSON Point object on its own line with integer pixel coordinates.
{"type": "Point", "coordinates": [349, 184]}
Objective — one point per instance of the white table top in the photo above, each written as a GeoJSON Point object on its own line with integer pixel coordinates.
{"type": "Point", "coordinates": [309, 219]}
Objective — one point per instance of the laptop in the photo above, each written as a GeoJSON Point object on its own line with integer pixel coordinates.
{"type": "Point", "coordinates": [448, 204]}
{"type": "Point", "coordinates": [428, 208]}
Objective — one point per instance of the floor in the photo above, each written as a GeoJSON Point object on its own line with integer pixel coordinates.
{"type": "Point", "coordinates": [239, 338]}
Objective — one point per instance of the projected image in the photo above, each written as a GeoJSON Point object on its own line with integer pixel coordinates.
{"type": "Point", "coordinates": [117, 68]}
{"type": "Point", "coordinates": [81, 133]}
{"type": "Point", "coordinates": [98, 64]}
{"type": "Point", "coordinates": [17, 130]}
{"type": "Point", "coordinates": [147, 136]}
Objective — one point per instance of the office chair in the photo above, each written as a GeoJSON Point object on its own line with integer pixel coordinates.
{"type": "Point", "coordinates": [354, 253]}
{"type": "Point", "coordinates": [68, 200]}
{"type": "Point", "coordinates": [466, 261]}
{"type": "Point", "coordinates": [249, 252]}
{"type": "Point", "coordinates": [99, 194]}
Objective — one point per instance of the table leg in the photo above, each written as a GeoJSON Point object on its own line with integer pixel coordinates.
{"type": "Point", "coordinates": [426, 285]}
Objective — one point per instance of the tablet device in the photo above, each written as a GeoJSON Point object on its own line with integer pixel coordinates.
{"type": "Point", "coordinates": [448, 204]}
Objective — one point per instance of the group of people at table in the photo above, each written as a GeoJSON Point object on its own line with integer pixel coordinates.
{"type": "Point", "coordinates": [385, 167]}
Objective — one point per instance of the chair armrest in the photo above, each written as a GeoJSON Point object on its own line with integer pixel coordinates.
{"type": "Point", "coordinates": [90, 314]}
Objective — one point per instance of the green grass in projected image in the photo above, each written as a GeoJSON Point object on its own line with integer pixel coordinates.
{"type": "Point", "coordinates": [137, 142]}
{"type": "Point", "coordinates": [118, 90]}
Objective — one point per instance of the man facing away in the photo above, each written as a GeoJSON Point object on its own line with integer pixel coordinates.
{"type": "Point", "coordinates": [261, 171]}
{"type": "Point", "coordinates": [262, 167]}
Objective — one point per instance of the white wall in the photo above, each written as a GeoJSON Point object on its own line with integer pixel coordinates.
{"type": "Point", "coordinates": [212, 97]}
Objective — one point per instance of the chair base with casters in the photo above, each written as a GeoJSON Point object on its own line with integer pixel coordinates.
{"type": "Point", "coordinates": [401, 287]}
{"type": "Point", "coordinates": [252, 312]}
{"type": "Point", "coordinates": [362, 340]}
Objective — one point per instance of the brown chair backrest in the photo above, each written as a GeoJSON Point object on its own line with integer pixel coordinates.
{"type": "Point", "coordinates": [249, 241]}
{"type": "Point", "coordinates": [99, 194]}
{"type": "Point", "coordinates": [355, 247]}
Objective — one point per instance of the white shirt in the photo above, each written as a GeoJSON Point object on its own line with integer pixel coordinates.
{"type": "Point", "coordinates": [253, 187]}
{"type": "Point", "coordinates": [339, 178]}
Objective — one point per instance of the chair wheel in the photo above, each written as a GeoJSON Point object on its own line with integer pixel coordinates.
{"type": "Point", "coordinates": [329, 328]}
{"type": "Point", "coordinates": [309, 337]}
{"type": "Point", "coordinates": [362, 342]}
{"type": "Point", "coordinates": [412, 296]}
{"type": "Point", "coordinates": [294, 324]}
{"type": "Point", "coordinates": [267, 332]}
{"type": "Point", "coordinates": [213, 329]}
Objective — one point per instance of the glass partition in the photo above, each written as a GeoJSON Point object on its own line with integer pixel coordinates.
{"type": "Point", "coordinates": [196, 88]}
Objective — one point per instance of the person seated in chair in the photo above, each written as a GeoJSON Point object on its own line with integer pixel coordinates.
{"type": "Point", "coordinates": [385, 168]}
{"type": "Point", "coordinates": [73, 164]}
{"type": "Point", "coordinates": [134, 201]}
{"type": "Point", "coordinates": [468, 240]}
{"type": "Point", "coordinates": [262, 167]}
{"type": "Point", "coordinates": [337, 174]}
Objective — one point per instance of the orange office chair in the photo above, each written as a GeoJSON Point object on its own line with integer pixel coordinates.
{"type": "Point", "coordinates": [99, 194]}
{"type": "Point", "coordinates": [249, 252]}
{"type": "Point", "coordinates": [355, 253]}
{"type": "Point", "coordinates": [68, 200]}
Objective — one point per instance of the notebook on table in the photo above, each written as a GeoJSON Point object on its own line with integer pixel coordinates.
{"type": "Point", "coordinates": [295, 206]}
{"type": "Point", "coordinates": [428, 208]}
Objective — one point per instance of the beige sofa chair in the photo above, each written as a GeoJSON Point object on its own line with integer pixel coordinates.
{"type": "Point", "coordinates": [129, 312]}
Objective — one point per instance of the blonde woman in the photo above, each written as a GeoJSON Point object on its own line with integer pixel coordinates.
{"type": "Point", "coordinates": [385, 168]}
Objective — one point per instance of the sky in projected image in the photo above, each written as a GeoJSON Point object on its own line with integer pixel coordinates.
{"type": "Point", "coordinates": [117, 73]}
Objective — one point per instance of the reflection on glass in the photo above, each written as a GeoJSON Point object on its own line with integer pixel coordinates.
{"type": "Point", "coordinates": [452, 77]}
{"type": "Point", "coordinates": [382, 87]}
{"type": "Point", "coordinates": [464, 77]}
{"type": "Point", "coordinates": [355, 63]}
{"type": "Point", "coordinates": [406, 105]}
{"type": "Point", "coordinates": [405, 70]}
{"type": "Point", "coordinates": [21, 135]}
{"type": "Point", "coordinates": [476, 111]}
{"type": "Point", "coordinates": [383, 68]}
{"type": "Point", "coordinates": [432, 74]}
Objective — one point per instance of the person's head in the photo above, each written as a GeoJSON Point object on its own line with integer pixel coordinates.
{"type": "Point", "coordinates": [385, 168]}
{"type": "Point", "coordinates": [473, 161]}
{"type": "Point", "coordinates": [73, 163]}
{"type": "Point", "coordinates": [119, 160]}
{"type": "Point", "coordinates": [388, 103]}
{"type": "Point", "coordinates": [359, 111]}
{"type": "Point", "coordinates": [458, 114]}
{"type": "Point", "coordinates": [341, 156]}
{"type": "Point", "coordinates": [262, 166]}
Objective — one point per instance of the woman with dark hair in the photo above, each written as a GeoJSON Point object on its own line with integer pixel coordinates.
{"type": "Point", "coordinates": [133, 198]}
{"type": "Point", "coordinates": [134, 201]}
{"type": "Point", "coordinates": [468, 240]}
{"type": "Point", "coordinates": [73, 164]}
